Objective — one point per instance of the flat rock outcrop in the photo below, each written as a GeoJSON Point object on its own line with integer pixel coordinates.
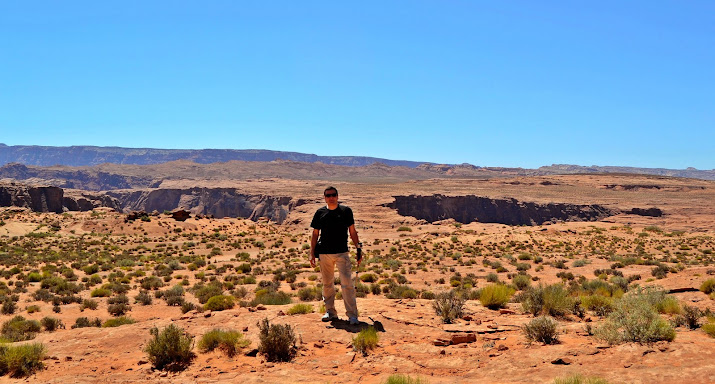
{"type": "Point", "coordinates": [466, 209]}
{"type": "Point", "coordinates": [217, 202]}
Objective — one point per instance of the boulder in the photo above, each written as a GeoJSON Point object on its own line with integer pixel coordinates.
{"type": "Point", "coordinates": [180, 215]}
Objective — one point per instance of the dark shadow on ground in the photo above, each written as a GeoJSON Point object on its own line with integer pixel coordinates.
{"type": "Point", "coordinates": [346, 326]}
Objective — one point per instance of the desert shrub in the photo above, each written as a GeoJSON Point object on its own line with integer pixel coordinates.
{"type": "Point", "coordinates": [427, 295]}
{"type": "Point", "coordinates": [21, 360]}
{"type": "Point", "coordinates": [230, 342]}
{"type": "Point", "coordinates": [51, 324]}
{"type": "Point", "coordinates": [83, 322]}
{"type": "Point", "coordinates": [600, 305]}
{"type": "Point", "coordinates": [309, 294]}
{"type": "Point", "coordinates": [300, 309]}
{"type": "Point", "coordinates": [578, 379]}
{"type": "Point", "coordinates": [20, 329]}
{"type": "Point", "coordinates": [366, 340]}
{"type": "Point", "coordinates": [492, 277]}
{"type": "Point", "coordinates": [448, 306]}
{"type": "Point", "coordinates": [32, 308]}
{"type": "Point", "coordinates": [690, 317]}
{"type": "Point", "coordinates": [552, 300]}
{"type": "Point", "coordinates": [270, 297]}
{"type": "Point", "coordinates": [116, 322]}
{"type": "Point", "coordinates": [541, 329]}
{"type": "Point", "coordinates": [399, 291]}
{"type": "Point", "coordinates": [143, 298]}
{"type": "Point", "coordinates": [660, 271]}
{"type": "Point", "coordinates": [101, 292]}
{"type": "Point", "coordinates": [668, 304]}
{"type": "Point", "coordinates": [634, 319]}
{"type": "Point", "coordinates": [368, 278]}
{"type": "Point", "coordinates": [8, 307]}
{"type": "Point", "coordinates": [708, 286]}
{"type": "Point", "coordinates": [709, 328]}
{"type": "Point", "coordinates": [118, 309]}
{"type": "Point", "coordinates": [151, 283]}
{"type": "Point", "coordinates": [170, 348]}
{"type": "Point", "coordinates": [174, 296]}
{"type": "Point", "coordinates": [404, 379]}
{"type": "Point", "coordinates": [220, 303]}
{"type": "Point", "coordinates": [205, 292]}
{"type": "Point", "coordinates": [495, 296]}
{"type": "Point", "coordinates": [277, 341]}
{"type": "Point", "coordinates": [521, 282]}
{"type": "Point", "coordinates": [89, 304]}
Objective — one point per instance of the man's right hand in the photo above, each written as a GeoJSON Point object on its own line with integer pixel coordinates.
{"type": "Point", "coordinates": [312, 260]}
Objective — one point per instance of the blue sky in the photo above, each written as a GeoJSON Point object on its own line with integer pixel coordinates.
{"type": "Point", "coordinates": [491, 83]}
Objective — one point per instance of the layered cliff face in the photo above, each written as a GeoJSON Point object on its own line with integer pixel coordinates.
{"type": "Point", "coordinates": [51, 199]}
{"type": "Point", "coordinates": [219, 202]}
{"type": "Point", "coordinates": [466, 209]}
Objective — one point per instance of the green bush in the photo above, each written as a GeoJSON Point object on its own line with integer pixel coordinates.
{"type": "Point", "coordinates": [551, 300]}
{"type": "Point", "coordinates": [448, 306]}
{"type": "Point", "coordinates": [669, 305]}
{"type": "Point", "coordinates": [277, 342]}
{"type": "Point", "coordinates": [578, 379]}
{"type": "Point", "coordinates": [89, 304]}
{"type": "Point", "coordinates": [20, 329]}
{"type": "Point", "coordinates": [300, 309]}
{"type": "Point", "coordinates": [170, 348]}
{"type": "Point", "coordinates": [495, 296]}
{"type": "Point", "coordinates": [122, 320]}
{"type": "Point", "coordinates": [708, 286]}
{"type": "Point", "coordinates": [206, 292]}
{"type": "Point", "coordinates": [51, 324]}
{"type": "Point", "coordinates": [404, 379]}
{"type": "Point", "coordinates": [709, 328]}
{"type": "Point", "coordinates": [83, 322]}
{"type": "Point", "coordinates": [220, 303]}
{"type": "Point", "coordinates": [366, 340]}
{"type": "Point", "coordinates": [270, 297]}
{"type": "Point", "coordinates": [521, 282]}
{"type": "Point", "coordinates": [230, 342]}
{"type": "Point", "coordinates": [309, 294]}
{"type": "Point", "coordinates": [635, 319]}
{"type": "Point", "coordinates": [541, 329]}
{"type": "Point", "coordinates": [600, 305]}
{"type": "Point", "coordinates": [21, 360]}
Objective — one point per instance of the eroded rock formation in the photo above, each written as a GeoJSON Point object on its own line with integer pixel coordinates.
{"type": "Point", "coordinates": [466, 209]}
{"type": "Point", "coordinates": [52, 199]}
{"type": "Point", "coordinates": [219, 202]}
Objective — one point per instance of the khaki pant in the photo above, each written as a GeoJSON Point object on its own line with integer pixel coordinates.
{"type": "Point", "coordinates": [327, 270]}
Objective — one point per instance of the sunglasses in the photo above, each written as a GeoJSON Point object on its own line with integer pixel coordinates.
{"type": "Point", "coordinates": [331, 195]}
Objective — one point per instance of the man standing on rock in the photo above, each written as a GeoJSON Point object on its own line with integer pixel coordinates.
{"type": "Point", "coordinates": [332, 224]}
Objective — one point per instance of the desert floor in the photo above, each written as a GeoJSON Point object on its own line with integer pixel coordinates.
{"type": "Point", "coordinates": [96, 256]}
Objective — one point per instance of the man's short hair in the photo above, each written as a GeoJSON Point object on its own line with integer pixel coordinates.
{"type": "Point", "coordinates": [330, 189]}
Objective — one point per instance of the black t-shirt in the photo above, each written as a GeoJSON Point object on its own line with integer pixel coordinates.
{"type": "Point", "coordinates": [333, 226]}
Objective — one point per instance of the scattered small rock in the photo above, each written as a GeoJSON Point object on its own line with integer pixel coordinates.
{"type": "Point", "coordinates": [502, 347]}
{"type": "Point", "coordinates": [505, 311]}
{"type": "Point", "coordinates": [441, 343]}
{"type": "Point", "coordinates": [463, 338]}
{"type": "Point", "coordinates": [562, 361]}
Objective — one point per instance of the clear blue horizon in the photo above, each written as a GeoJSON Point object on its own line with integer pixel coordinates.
{"type": "Point", "coordinates": [512, 84]}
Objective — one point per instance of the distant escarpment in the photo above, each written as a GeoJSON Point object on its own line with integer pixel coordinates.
{"type": "Point", "coordinates": [88, 179]}
{"type": "Point", "coordinates": [52, 199]}
{"type": "Point", "coordinates": [219, 202]}
{"type": "Point", "coordinates": [81, 155]}
{"type": "Point", "coordinates": [466, 209]}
